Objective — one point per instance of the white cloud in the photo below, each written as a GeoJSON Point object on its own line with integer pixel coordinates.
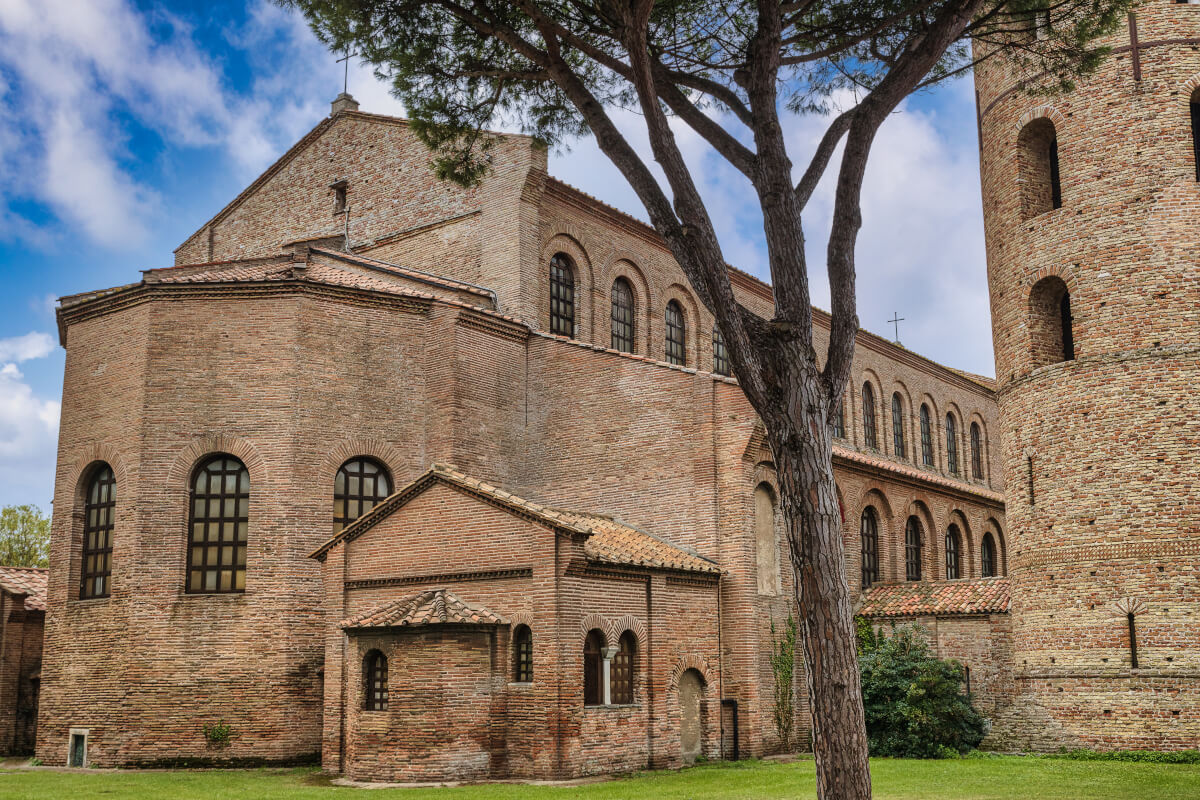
{"type": "Point", "coordinates": [22, 348]}
{"type": "Point", "coordinates": [28, 424]}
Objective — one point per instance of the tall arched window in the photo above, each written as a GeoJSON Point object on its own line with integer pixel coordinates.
{"type": "Point", "coordinates": [623, 327]}
{"type": "Point", "coordinates": [765, 542]}
{"type": "Point", "coordinates": [953, 542]}
{"type": "Point", "coordinates": [99, 516]}
{"type": "Point", "coordinates": [562, 295]}
{"type": "Point", "coordinates": [360, 485]}
{"type": "Point", "coordinates": [926, 437]}
{"type": "Point", "coordinates": [898, 425]}
{"type": "Point", "coordinates": [976, 452]}
{"type": "Point", "coordinates": [987, 557]}
{"type": "Point", "coordinates": [839, 419]}
{"type": "Point", "coordinates": [622, 670]}
{"type": "Point", "coordinates": [1051, 325]}
{"type": "Point", "coordinates": [375, 682]}
{"type": "Point", "coordinates": [1038, 168]}
{"type": "Point", "coordinates": [720, 353]}
{"type": "Point", "coordinates": [951, 444]}
{"type": "Point", "coordinates": [220, 516]}
{"type": "Point", "coordinates": [676, 335]}
{"type": "Point", "coordinates": [1195, 104]}
{"type": "Point", "coordinates": [868, 404]}
{"type": "Point", "coordinates": [869, 533]}
{"type": "Point", "coordinates": [522, 654]}
{"type": "Point", "coordinates": [912, 549]}
{"type": "Point", "coordinates": [593, 668]}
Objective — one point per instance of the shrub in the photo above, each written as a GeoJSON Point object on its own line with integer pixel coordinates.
{"type": "Point", "coordinates": [915, 705]}
{"type": "Point", "coordinates": [218, 735]}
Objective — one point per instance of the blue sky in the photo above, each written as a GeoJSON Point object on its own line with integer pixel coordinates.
{"type": "Point", "coordinates": [125, 124]}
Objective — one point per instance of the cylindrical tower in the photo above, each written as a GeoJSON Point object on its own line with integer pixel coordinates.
{"type": "Point", "coordinates": [1092, 217]}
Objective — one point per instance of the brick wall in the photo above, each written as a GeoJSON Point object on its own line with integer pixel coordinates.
{"type": "Point", "coordinates": [21, 633]}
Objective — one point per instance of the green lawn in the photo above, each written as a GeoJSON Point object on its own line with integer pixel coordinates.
{"type": "Point", "coordinates": [966, 779]}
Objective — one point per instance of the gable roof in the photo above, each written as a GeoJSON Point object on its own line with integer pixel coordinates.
{"type": "Point", "coordinates": [27, 581]}
{"type": "Point", "coordinates": [430, 607]}
{"type": "Point", "coordinates": [936, 598]}
{"type": "Point", "coordinates": [608, 541]}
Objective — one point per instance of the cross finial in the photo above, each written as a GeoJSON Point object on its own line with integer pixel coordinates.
{"type": "Point", "coordinates": [896, 320]}
{"type": "Point", "coordinates": [345, 62]}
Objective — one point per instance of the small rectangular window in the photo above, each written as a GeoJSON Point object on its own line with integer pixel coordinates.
{"type": "Point", "coordinates": [339, 196]}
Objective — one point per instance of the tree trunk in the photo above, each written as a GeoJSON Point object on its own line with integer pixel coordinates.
{"type": "Point", "coordinates": [808, 497]}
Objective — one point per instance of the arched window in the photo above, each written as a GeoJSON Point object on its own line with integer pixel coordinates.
{"type": "Point", "coordinates": [99, 512]}
{"type": "Point", "coordinates": [220, 515]}
{"type": "Point", "coordinates": [622, 670]}
{"type": "Point", "coordinates": [951, 444]}
{"type": "Point", "coordinates": [1195, 104]}
{"type": "Point", "coordinates": [869, 533]}
{"type": "Point", "coordinates": [898, 425]}
{"type": "Point", "coordinates": [839, 420]}
{"type": "Point", "coordinates": [766, 545]}
{"type": "Point", "coordinates": [1051, 325]}
{"type": "Point", "coordinates": [593, 668]}
{"type": "Point", "coordinates": [562, 296]}
{"type": "Point", "coordinates": [912, 549]}
{"type": "Point", "coordinates": [868, 400]}
{"type": "Point", "coordinates": [987, 557]}
{"type": "Point", "coordinates": [926, 437]}
{"type": "Point", "coordinates": [1038, 169]}
{"type": "Point", "coordinates": [976, 452]}
{"type": "Point", "coordinates": [676, 335]}
{"type": "Point", "coordinates": [720, 353]}
{"type": "Point", "coordinates": [953, 541]}
{"type": "Point", "coordinates": [375, 682]}
{"type": "Point", "coordinates": [360, 485]}
{"type": "Point", "coordinates": [623, 327]}
{"type": "Point", "coordinates": [522, 653]}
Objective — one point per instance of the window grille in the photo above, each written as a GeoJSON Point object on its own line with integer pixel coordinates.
{"type": "Point", "coordinates": [99, 512]}
{"type": "Point", "coordinates": [360, 485]}
{"type": "Point", "coordinates": [676, 335]}
{"type": "Point", "coordinates": [622, 316]}
{"type": "Point", "coordinates": [912, 549]}
{"type": "Point", "coordinates": [562, 296]}
{"type": "Point", "coordinates": [869, 530]}
{"type": "Point", "coordinates": [220, 515]}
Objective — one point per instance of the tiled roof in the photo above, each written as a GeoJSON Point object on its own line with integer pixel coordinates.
{"type": "Point", "coordinates": [908, 470]}
{"type": "Point", "coordinates": [929, 598]}
{"type": "Point", "coordinates": [430, 607]}
{"type": "Point", "coordinates": [609, 541]}
{"type": "Point", "coordinates": [28, 581]}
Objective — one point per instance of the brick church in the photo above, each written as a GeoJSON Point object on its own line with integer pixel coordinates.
{"type": "Point", "coordinates": [432, 482]}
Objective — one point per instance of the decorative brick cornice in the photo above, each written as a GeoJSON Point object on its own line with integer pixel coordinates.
{"type": "Point", "coordinates": [449, 577]}
{"type": "Point", "coordinates": [1107, 552]}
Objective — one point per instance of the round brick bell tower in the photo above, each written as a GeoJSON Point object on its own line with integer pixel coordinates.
{"type": "Point", "coordinates": [1092, 218]}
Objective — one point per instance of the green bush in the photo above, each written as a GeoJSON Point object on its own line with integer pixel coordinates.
{"type": "Point", "coordinates": [915, 704]}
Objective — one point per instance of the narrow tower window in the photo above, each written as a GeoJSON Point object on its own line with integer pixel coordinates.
{"type": "Point", "coordinates": [926, 437]}
{"type": "Point", "coordinates": [987, 557]}
{"type": "Point", "coordinates": [1051, 323]}
{"type": "Point", "coordinates": [1038, 168]}
{"type": "Point", "coordinates": [99, 510]}
{"type": "Point", "coordinates": [898, 425]}
{"type": "Point", "coordinates": [720, 353]}
{"type": "Point", "coordinates": [868, 400]}
{"type": "Point", "coordinates": [676, 335]}
{"type": "Point", "coordinates": [976, 452]}
{"type": "Point", "coordinates": [622, 316]}
{"type": "Point", "coordinates": [912, 549]}
{"type": "Point", "coordinates": [1196, 130]}
{"type": "Point", "coordinates": [562, 296]}
{"type": "Point", "coordinates": [952, 549]}
{"type": "Point", "coordinates": [1133, 661]}
{"type": "Point", "coordinates": [839, 420]}
{"type": "Point", "coordinates": [869, 532]}
{"type": "Point", "coordinates": [951, 444]}
{"type": "Point", "coordinates": [1068, 333]}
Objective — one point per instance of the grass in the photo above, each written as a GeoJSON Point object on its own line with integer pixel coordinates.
{"type": "Point", "coordinates": [965, 779]}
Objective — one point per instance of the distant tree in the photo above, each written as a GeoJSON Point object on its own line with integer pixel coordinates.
{"type": "Point", "coordinates": [24, 537]}
{"type": "Point", "coordinates": [728, 71]}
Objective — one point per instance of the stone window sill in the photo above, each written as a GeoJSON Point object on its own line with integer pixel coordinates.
{"type": "Point", "coordinates": [612, 707]}
{"type": "Point", "coordinates": [88, 601]}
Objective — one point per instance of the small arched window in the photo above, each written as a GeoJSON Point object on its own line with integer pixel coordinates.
{"type": "Point", "coordinates": [869, 533]}
{"type": "Point", "coordinates": [868, 404]}
{"type": "Point", "coordinates": [360, 485]}
{"type": "Point", "coordinates": [839, 420]}
{"type": "Point", "coordinates": [593, 668]}
{"type": "Point", "coordinates": [622, 669]}
{"type": "Point", "coordinates": [375, 681]}
{"type": "Point", "coordinates": [953, 542]}
{"type": "Point", "coordinates": [676, 335]}
{"type": "Point", "coordinates": [99, 515]}
{"type": "Point", "coordinates": [220, 516]}
{"type": "Point", "coordinates": [951, 444]}
{"type": "Point", "coordinates": [898, 425]}
{"type": "Point", "coordinates": [765, 542]}
{"type": "Point", "coordinates": [1195, 105]}
{"type": "Point", "coordinates": [926, 437]}
{"type": "Point", "coordinates": [1038, 168]}
{"type": "Point", "coordinates": [987, 557]}
{"type": "Point", "coordinates": [912, 549]}
{"type": "Point", "coordinates": [720, 353]}
{"type": "Point", "coordinates": [1051, 325]}
{"type": "Point", "coordinates": [976, 452]}
{"type": "Point", "coordinates": [562, 295]}
{"type": "Point", "coordinates": [522, 653]}
{"type": "Point", "coordinates": [623, 327]}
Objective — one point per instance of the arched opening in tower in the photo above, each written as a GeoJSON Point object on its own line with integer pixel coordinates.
{"type": "Point", "coordinates": [1038, 168]}
{"type": "Point", "coordinates": [1051, 325]}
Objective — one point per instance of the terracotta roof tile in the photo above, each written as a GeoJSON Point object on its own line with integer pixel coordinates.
{"type": "Point", "coordinates": [28, 581]}
{"type": "Point", "coordinates": [430, 607]}
{"type": "Point", "coordinates": [880, 462]}
{"type": "Point", "coordinates": [927, 598]}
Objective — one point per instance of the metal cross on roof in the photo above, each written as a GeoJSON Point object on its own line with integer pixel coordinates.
{"type": "Point", "coordinates": [896, 320]}
{"type": "Point", "coordinates": [345, 61]}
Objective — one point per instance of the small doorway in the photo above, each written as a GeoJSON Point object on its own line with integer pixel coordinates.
{"type": "Point", "coordinates": [691, 728]}
{"type": "Point", "coordinates": [77, 753]}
